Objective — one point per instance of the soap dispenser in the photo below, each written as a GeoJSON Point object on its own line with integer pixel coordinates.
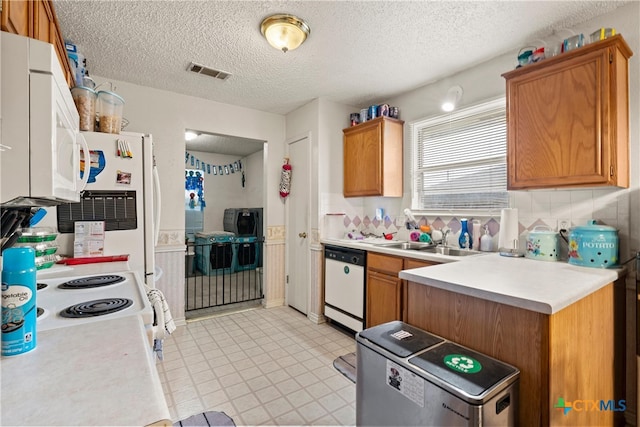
{"type": "Point", "coordinates": [486, 242]}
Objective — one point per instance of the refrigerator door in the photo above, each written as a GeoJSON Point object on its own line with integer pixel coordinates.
{"type": "Point", "coordinates": [121, 163]}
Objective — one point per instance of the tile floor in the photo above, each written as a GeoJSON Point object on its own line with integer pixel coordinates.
{"type": "Point", "coordinates": [261, 367]}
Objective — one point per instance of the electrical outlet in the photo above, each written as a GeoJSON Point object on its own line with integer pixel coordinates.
{"type": "Point", "coordinates": [564, 224]}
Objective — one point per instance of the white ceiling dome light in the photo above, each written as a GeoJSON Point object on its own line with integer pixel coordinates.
{"type": "Point", "coordinates": [285, 32]}
{"type": "Point", "coordinates": [454, 94]}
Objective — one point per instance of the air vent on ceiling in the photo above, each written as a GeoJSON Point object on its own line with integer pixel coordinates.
{"type": "Point", "coordinates": [201, 69]}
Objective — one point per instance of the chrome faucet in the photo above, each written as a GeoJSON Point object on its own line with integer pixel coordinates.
{"type": "Point", "coordinates": [445, 236]}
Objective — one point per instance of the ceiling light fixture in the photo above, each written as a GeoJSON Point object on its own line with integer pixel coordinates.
{"type": "Point", "coordinates": [454, 94]}
{"type": "Point", "coordinates": [189, 135]}
{"type": "Point", "coordinates": [285, 32]}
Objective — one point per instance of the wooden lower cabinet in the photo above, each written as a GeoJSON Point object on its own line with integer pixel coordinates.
{"type": "Point", "coordinates": [385, 296]}
{"type": "Point", "coordinates": [570, 355]}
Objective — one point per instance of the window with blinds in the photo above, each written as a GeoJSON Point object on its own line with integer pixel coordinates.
{"type": "Point", "coordinates": [460, 160]}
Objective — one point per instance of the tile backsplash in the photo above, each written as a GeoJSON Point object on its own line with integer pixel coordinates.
{"type": "Point", "coordinates": [609, 206]}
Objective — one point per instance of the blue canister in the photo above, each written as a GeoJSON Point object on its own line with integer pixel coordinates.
{"type": "Point", "coordinates": [18, 301]}
{"type": "Point", "coordinates": [593, 245]}
{"type": "Point", "coordinates": [372, 112]}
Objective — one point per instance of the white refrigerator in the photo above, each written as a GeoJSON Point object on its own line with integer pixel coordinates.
{"type": "Point", "coordinates": [123, 191]}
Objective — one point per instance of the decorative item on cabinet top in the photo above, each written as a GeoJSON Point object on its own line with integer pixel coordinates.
{"type": "Point", "coordinates": [374, 111]}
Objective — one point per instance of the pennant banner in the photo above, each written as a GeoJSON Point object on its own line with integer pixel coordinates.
{"type": "Point", "coordinates": [211, 169]}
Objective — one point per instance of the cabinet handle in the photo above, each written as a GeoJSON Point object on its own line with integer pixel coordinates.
{"type": "Point", "coordinates": [303, 235]}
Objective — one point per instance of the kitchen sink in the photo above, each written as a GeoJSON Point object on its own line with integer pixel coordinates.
{"type": "Point", "coordinates": [446, 250]}
{"type": "Point", "coordinates": [429, 247]}
{"type": "Point", "coordinates": [415, 246]}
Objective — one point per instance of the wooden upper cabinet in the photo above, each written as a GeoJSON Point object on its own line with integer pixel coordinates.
{"type": "Point", "coordinates": [15, 17]}
{"type": "Point", "coordinates": [373, 158]}
{"type": "Point", "coordinates": [37, 19]}
{"type": "Point", "coordinates": [568, 119]}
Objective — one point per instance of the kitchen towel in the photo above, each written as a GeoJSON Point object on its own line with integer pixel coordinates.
{"type": "Point", "coordinates": [508, 237]}
{"type": "Point", "coordinates": [163, 321]}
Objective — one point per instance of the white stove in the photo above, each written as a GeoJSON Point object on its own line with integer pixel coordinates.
{"type": "Point", "coordinates": [92, 297]}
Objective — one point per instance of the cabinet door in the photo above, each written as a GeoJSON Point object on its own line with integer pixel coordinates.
{"type": "Point", "coordinates": [384, 296]}
{"type": "Point", "coordinates": [568, 119]}
{"type": "Point", "coordinates": [15, 17]}
{"type": "Point", "coordinates": [557, 136]}
{"type": "Point", "coordinates": [363, 160]}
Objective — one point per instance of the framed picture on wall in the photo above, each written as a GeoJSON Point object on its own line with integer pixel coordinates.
{"type": "Point", "coordinates": [235, 166]}
{"type": "Point", "coordinates": [220, 170]}
{"type": "Point", "coordinates": [226, 170]}
{"type": "Point", "coordinates": [214, 170]}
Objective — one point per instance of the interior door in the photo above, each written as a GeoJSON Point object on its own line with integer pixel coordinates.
{"type": "Point", "coordinates": [298, 256]}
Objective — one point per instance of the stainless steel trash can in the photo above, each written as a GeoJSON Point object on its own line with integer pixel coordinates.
{"type": "Point", "coordinates": [408, 377]}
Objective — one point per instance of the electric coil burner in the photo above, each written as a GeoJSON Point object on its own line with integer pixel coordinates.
{"type": "Point", "coordinates": [95, 308]}
{"type": "Point", "coordinates": [92, 297]}
{"type": "Point", "coordinates": [41, 286]}
{"type": "Point", "coordinates": [92, 282]}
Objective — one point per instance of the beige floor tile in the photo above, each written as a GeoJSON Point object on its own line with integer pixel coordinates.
{"type": "Point", "coordinates": [312, 411]}
{"type": "Point", "coordinates": [254, 417]}
{"type": "Point", "coordinates": [213, 400]}
{"type": "Point", "coordinates": [268, 394]}
{"type": "Point", "coordinates": [278, 407]}
{"type": "Point", "coordinates": [237, 390]}
{"type": "Point", "coordinates": [292, 418]}
{"type": "Point", "coordinates": [260, 367]}
{"type": "Point", "coordinates": [288, 386]}
{"type": "Point", "coordinates": [299, 398]}
{"type": "Point", "coordinates": [208, 387]}
{"type": "Point", "coordinates": [245, 403]}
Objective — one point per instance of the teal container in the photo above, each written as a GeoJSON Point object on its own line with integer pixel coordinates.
{"type": "Point", "coordinates": [19, 312]}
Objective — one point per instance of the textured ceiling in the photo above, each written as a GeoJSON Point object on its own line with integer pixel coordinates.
{"type": "Point", "coordinates": [359, 52]}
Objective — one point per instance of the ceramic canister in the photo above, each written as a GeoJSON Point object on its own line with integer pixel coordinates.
{"type": "Point", "coordinates": [543, 244]}
{"type": "Point", "coordinates": [593, 245]}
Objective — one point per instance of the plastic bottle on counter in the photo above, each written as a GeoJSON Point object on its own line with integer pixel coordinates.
{"type": "Point", "coordinates": [476, 234]}
{"type": "Point", "coordinates": [19, 311]}
{"type": "Point", "coordinates": [486, 242]}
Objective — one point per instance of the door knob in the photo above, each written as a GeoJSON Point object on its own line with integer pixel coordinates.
{"type": "Point", "coordinates": [303, 235]}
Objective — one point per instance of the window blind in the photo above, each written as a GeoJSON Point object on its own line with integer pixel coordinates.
{"type": "Point", "coordinates": [460, 159]}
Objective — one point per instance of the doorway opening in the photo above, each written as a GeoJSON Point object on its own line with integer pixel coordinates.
{"type": "Point", "coordinates": [224, 217]}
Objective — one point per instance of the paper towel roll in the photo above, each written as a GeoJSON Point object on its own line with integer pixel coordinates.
{"type": "Point", "coordinates": [508, 238]}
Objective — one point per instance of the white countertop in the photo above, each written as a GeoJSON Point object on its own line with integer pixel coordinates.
{"type": "Point", "coordinates": [99, 373]}
{"type": "Point", "coordinates": [541, 286]}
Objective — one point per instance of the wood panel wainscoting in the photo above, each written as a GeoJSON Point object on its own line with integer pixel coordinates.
{"type": "Point", "coordinates": [572, 354]}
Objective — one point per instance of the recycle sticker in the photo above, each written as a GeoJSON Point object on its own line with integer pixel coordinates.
{"type": "Point", "coordinates": [462, 363]}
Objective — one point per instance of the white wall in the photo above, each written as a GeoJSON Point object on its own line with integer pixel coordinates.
{"type": "Point", "coordinates": [226, 191]}
{"type": "Point", "coordinates": [166, 115]}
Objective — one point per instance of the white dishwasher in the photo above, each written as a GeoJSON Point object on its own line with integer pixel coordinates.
{"type": "Point", "coordinates": [344, 278]}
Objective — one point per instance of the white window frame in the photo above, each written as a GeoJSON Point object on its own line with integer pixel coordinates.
{"type": "Point", "coordinates": [414, 130]}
